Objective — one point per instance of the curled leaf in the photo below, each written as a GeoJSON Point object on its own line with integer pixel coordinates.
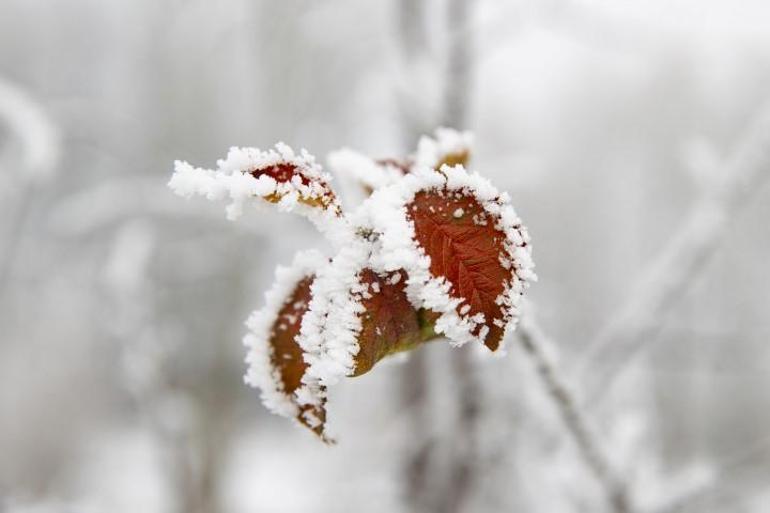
{"type": "Point", "coordinates": [276, 361]}
{"type": "Point", "coordinates": [368, 320]}
{"type": "Point", "coordinates": [389, 322]}
{"type": "Point", "coordinates": [293, 181]}
{"type": "Point", "coordinates": [433, 251]}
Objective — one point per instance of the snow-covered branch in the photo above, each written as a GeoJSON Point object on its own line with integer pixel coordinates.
{"type": "Point", "coordinates": [637, 322]}
{"type": "Point", "coordinates": [39, 140]}
{"type": "Point", "coordinates": [534, 342]}
{"type": "Point", "coordinates": [38, 134]}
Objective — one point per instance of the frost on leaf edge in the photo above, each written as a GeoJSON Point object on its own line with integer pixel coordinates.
{"type": "Point", "coordinates": [330, 328]}
{"type": "Point", "coordinates": [385, 212]}
{"type": "Point", "coordinates": [260, 372]}
{"type": "Point", "coordinates": [232, 179]}
{"type": "Point", "coordinates": [444, 145]}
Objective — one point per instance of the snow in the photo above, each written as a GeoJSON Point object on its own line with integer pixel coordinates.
{"type": "Point", "coordinates": [232, 180]}
{"type": "Point", "coordinates": [261, 373]}
{"type": "Point", "coordinates": [385, 214]}
{"type": "Point", "coordinates": [362, 168]}
{"type": "Point", "coordinates": [432, 151]}
{"type": "Point", "coordinates": [330, 328]}
{"type": "Point", "coordinates": [378, 235]}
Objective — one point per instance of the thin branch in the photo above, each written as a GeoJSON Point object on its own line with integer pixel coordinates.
{"type": "Point", "coordinates": [664, 284]}
{"type": "Point", "coordinates": [458, 479]}
{"type": "Point", "coordinates": [754, 456]}
{"type": "Point", "coordinates": [31, 125]}
{"type": "Point", "coordinates": [464, 443]}
{"type": "Point", "coordinates": [534, 341]}
{"type": "Point", "coordinates": [414, 393]}
{"type": "Point", "coordinates": [411, 25]}
{"type": "Point", "coordinates": [116, 200]}
{"type": "Point", "coordinates": [459, 67]}
{"type": "Point", "coordinates": [27, 120]}
{"type": "Point", "coordinates": [413, 42]}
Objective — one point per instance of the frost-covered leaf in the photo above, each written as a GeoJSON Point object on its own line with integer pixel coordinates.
{"type": "Point", "coordinates": [389, 322]}
{"type": "Point", "coordinates": [294, 182]}
{"type": "Point", "coordinates": [463, 247]}
{"type": "Point", "coordinates": [433, 251]}
{"type": "Point", "coordinates": [445, 147]}
{"type": "Point", "coordinates": [276, 361]}
{"type": "Point", "coordinates": [357, 317]}
{"type": "Point", "coordinates": [369, 173]}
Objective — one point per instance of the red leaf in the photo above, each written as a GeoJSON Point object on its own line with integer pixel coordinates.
{"type": "Point", "coordinates": [390, 323]}
{"type": "Point", "coordinates": [287, 354]}
{"type": "Point", "coordinates": [465, 248]}
{"type": "Point", "coordinates": [288, 173]}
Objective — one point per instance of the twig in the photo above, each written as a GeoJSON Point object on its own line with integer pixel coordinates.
{"type": "Point", "coordinates": [755, 455]}
{"type": "Point", "coordinates": [184, 426]}
{"type": "Point", "coordinates": [464, 438]}
{"type": "Point", "coordinates": [459, 71]}
{"type": "Point", "coordinates": [668, 278]}
{"type": "Point", "coordinates": [533, 341]}
{"type": "Point", "coordinates": [457, 480]}
{"type": "Point", "coordinates": [39, 138]}
{"type": "Point", "coordinates": [18, 223]}
{"type": "Point", "coordinates": [414, 393]}
{"type": "Point", "coordinates": [38, 134]}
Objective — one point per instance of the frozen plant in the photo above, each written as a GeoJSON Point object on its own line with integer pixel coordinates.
{"type": "Point", "coordinates": [434, 251]}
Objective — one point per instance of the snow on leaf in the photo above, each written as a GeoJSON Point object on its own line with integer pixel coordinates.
{"type": "Point", "coordinates": [330, 329]}
{"type": "Point", "coordinates": [276, 361]}
{"type": "Point", "coordinates": [294, 182]}
{"type": "Point", "coordinates": [465, 251]}
{"type": "Point", "coordinates": [402, 166]}
{"type": "Point", "coordinates": [445, 147]}
{"type": "Point", "coordinates": [355, 318]}
{"type": "Point", "coordinates": [368, 173]}
{"type": "Point", "coordinates": [435, 250]}
{"type": "Point", "coordinates": [389, 322]}
{"type": "Point", "coordinates": [466, 254]}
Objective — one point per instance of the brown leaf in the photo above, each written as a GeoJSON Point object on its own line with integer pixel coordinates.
{"type": "Point", "coordinates": [453, 159]}
{"type": "Point", "coordinates": [465, 248]}
{"type": "Point", "coordinates": [390, 324]}
{"type": "Point", "coordinates": [287, 354]}
{"type": "Point", "coordinates": [288, 173]}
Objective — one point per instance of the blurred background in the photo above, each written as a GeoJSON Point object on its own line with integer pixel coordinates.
{"type": "Point", "coordinates": [633, 137]}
